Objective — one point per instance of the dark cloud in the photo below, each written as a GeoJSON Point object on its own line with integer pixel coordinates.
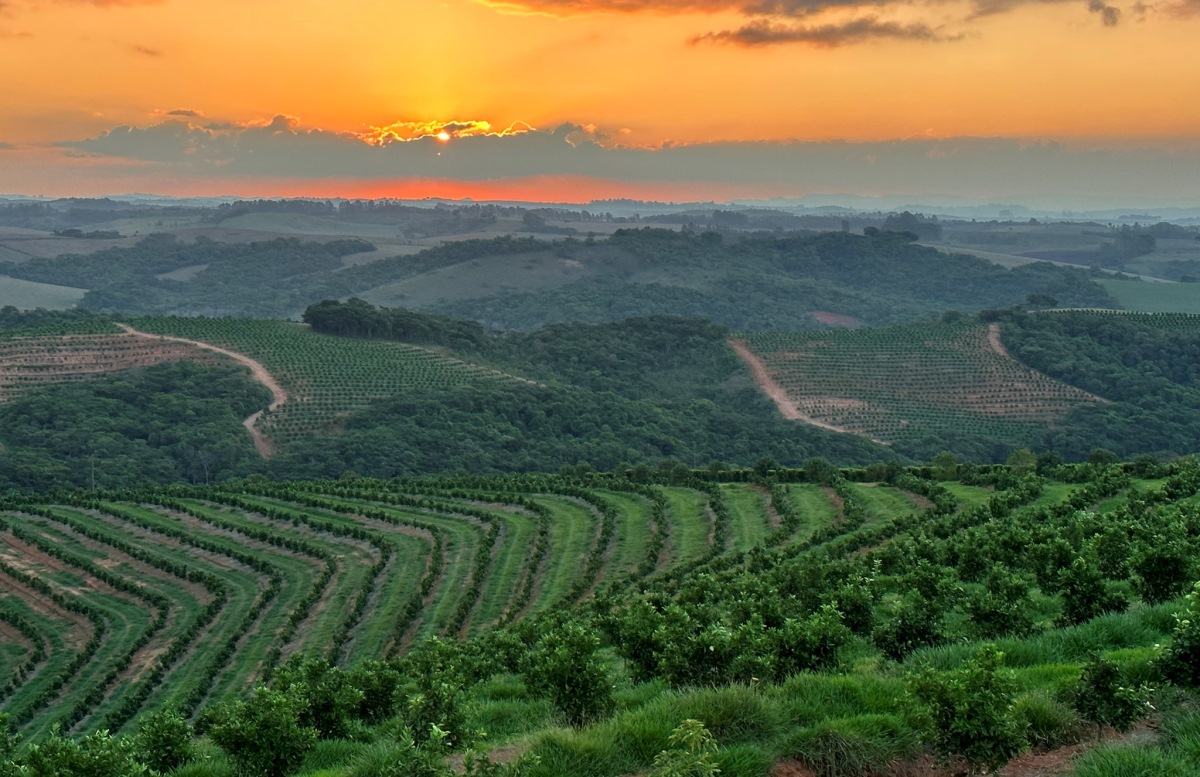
{"type": "Point", "coordinates": [186, 112]}
{"type": "Point", "coordinates": [1109, 15]}
{"type": "Point", "coordinates": [283, 148]}
{"type": "Point", "coordinates": [772, 22]}
{"type": "Point", "coordinates": [146, 51]}
{"type": "Point", "coordinates": [827, 35]}
{"type": "Point", "coordinates": [6, 146]}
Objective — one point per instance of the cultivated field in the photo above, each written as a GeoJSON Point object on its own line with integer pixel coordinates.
{"type": "Point", "coordinates": [906, 383]}
{"type": "Point", "coordinates": [118, 603]}
{"type": "Point", "coordinates": [326, 377]}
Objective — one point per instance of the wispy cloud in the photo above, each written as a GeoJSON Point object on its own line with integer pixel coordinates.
{"type": "Point", "coordinates": [146, 51]}
{"type": "Point", "coordinates": [826, 35]}
{"type": "Point", "coordinates": [773, 22]}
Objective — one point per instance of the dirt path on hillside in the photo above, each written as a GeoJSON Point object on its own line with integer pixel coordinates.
{"type": "Point", "coordinates": [279, 395]}
{"type": "Point", "coordinates": [994, 340]}
{"type": "Point", "coordinates": [769, 386]}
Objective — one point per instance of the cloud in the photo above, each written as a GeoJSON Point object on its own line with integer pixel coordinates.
{"type": "Point", "coordinates": [1183, 8]}
{"type": "Point", "coordinates": [284, 149]}
{"type": "Point", "coordinates": [826, 35]}
{"type": "Point", "coordinates": [772, 21]}
{"type": "Point", "coordinates": [1109, 15]}
{"type": "Point", "coordinates": [6, 146]}
{"type": "Point", "coordinates": [187, 112]}
{"type": "Point", "coordinates": [146, 51]}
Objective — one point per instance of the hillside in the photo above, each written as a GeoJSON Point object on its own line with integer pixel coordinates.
{"type": "Point", "coordinates": [809, 617]}
{"type": "Point", "coordinates": [917, 387]}
{"type": "Point", "coordinates": [796, 280]}
{"type": "Point", "coordinates": [387, 392]}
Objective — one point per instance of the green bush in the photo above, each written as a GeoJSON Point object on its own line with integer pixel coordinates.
{"type": "Point", "coordinates": [1180, 659]}
{"type": "Point", "coordinates": [564, 667]}
{"type": "Point", "coordinates": [968, 713]}
{"type": "Point", "coordinates": [262, 735]}
{"type": "Point", "coordinates": [164, 740]}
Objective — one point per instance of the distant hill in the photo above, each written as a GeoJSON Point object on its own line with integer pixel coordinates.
{"type": "Point", "coordinates": [739, 280]}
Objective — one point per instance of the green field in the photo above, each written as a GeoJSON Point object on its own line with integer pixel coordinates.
{"type": "Point", "coordinates": [28, 295]}
{"type": "Point", "coordinates": [1149, 297]}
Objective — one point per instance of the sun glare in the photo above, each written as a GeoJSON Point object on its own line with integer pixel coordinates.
{"type": "Point", "coordinates": [443, 136]}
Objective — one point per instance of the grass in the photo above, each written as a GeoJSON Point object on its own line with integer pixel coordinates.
{"type": "Point", "coordinates": [814, 507]}
{"type": "Point", "coordinates": [747, 511]}
{"type": "Point", "coordinates": [689, 523]}
{"type": "Point", "coordinates": [28, 295]}
{"type": "Point", "coordinates": [1154, 297]}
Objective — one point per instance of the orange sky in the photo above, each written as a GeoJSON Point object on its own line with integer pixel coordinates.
{"type": "Point", "coordinates": [73, 69]}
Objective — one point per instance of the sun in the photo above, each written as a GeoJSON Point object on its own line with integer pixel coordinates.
{"type": "Point", "coordinates": [443, 136]}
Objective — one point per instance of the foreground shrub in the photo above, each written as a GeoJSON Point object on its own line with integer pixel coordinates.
{"type": "Point", "coordinates": [968, 713]}
{"type": "Point", "coordinates": [1180, 660]}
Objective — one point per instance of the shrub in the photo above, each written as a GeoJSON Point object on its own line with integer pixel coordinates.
{"type": "Point", "coordinates": [564, 666]}
{"type": "Point", "coordinates": [968, 713]}
{"type": "Point", "coordinates": [1103, 696]}
{"type": "Point", "coordinates": [690, 754]}
{"type": "Point", "coordinates": [1180, 659]}
{"type": "Point", "coordinates": [164, 740]}
{"type": "Point", "coordinates": [262, 735]}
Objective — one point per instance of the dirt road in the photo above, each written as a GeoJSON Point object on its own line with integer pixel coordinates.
{"type": "Point", "coordinates": [279, 395]}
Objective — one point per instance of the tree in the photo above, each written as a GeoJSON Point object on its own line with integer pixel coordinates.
{"type": "Point", "coordinates": [164, 740]}
{"type": "Point", "coordinates": [1180, 659]}
{"type": "Point", "coordinates": [945, 466]}
{"type": "Point", "coordinates": [1163, 569]}
{"type": "Point", "coordinates": [690, 754]}
{"type": "Point", "coordinates": [1085, 594]}
{"type": "Point", "coordinates": [968, 713]}
{"type": "Point", "coordinates": [329, 702]}
{"type": "Point", "coordinates": [262, 735]}
{"type": "Point", "coordinates": [96, 755]}
{"type": "Point", "coordinates": [1022, 461]}
{"type": "Point", "coordinates": [564, 666]}
{"type": "Point", "coordinates": [1103, 696]}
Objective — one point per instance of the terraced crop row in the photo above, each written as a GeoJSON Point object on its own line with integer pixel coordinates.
{"type": "Point", "coordinates": [30, 362]}
{"type": "Point", "coordinates": [907, 383]}
{"type": "Point", "coordinates": [326, 377]}
{"type": "Point", "coordinates": [114, 604]}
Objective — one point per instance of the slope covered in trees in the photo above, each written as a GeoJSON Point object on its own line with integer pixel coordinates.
{"type": "Point", "coordinates": [826, 617]}
{"type": "Point", "coordinates": [740, 281]}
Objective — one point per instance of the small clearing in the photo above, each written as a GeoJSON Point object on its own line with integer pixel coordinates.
{"type": "Point", "coordinates": [835, 319]}
{"type": "Point", "coordinates": [279, 395]}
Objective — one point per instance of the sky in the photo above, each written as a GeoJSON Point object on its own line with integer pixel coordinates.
{"type": "Point", "coordinates": [571, 100]}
